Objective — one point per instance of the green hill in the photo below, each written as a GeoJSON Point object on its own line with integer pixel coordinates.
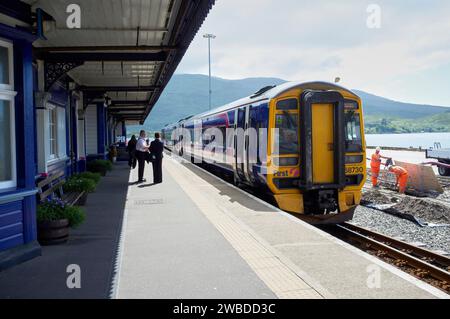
{"type": "Point", "coordinates": [187, 94]}
{"type": "Point", "coordinates": [379, 107]}
{"type": "Point", "coordinates": [434, 123]}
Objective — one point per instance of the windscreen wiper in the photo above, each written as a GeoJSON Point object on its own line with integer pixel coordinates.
{"type": "Point", "coordinates": [290, 119]}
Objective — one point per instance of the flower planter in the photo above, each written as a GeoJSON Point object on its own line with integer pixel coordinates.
{"type": "Point", "coordinates": [82, 200]}
{"type": "Point", "coordinates": [53, 232]}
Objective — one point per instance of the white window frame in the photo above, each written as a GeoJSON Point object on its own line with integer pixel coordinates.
{"type": "Point", "coordinates": [7, 93]}
{"type": "Point", "coordinates": [54, 122]}
{"type": "Point", "coordinates": [10, 85]}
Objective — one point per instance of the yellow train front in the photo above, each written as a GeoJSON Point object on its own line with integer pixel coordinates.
{"type": "Point", "coordinates": [317, 169]}
{"type": "Point", "coordinates": [310, 142]}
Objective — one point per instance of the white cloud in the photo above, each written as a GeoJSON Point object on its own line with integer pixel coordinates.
{"type": "Point", "coordinates": [319, 40]}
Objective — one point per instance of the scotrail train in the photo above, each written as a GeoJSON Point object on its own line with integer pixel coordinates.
{"type": "Point", "coordinates": [308, 151]}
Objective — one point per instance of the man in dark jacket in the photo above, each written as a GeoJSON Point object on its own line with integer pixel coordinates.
{"type": "Point", "coordinates": [131, 149]}
{"type": "Point", "coordinates": [156, 151]}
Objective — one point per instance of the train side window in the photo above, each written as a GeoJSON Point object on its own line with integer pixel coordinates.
{"type": "Point", "coordinates": [286, 105]}
{"type": "Point", "coordinates": [353, 140]}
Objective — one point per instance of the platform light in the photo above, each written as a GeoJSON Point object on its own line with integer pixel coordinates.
{"type": "Point", "coordinates": [209, 36]}
{"type": "Point", "coordinates": [107, 101]}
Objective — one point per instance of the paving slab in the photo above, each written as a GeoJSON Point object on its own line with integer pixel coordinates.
{"type": "Point", "coordinates": [171, 250]}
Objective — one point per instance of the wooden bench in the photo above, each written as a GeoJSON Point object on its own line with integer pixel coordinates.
{"type": "Point", "coordinates": [53, 186]}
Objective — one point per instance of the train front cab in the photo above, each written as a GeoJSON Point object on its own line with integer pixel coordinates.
{"type": "Point", "coordinates": [316, 160]}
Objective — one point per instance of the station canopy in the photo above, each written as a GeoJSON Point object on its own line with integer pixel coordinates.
{"type": "Point", "coordinates": [125, 50]}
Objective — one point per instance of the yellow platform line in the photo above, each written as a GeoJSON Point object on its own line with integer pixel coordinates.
{"type": "Point", "coordinates": [277, 275]}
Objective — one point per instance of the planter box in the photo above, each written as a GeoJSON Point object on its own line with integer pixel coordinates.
{"type": "Point", "coordinates": [53, 232]}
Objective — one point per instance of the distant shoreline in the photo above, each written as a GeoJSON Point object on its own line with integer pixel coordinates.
{"type": "Point", "coordinates": [404, 133]}
{"type": "Point", "coordinates": [388, 148]}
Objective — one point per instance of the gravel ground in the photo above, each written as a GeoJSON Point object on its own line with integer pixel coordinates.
{"type": "Point", "coordinates": [445, 197]}
{"type": "Point", "coordinates": [436, 238]}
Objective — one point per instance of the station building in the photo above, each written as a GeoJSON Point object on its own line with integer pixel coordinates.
{"type": "Point", "coordinates": [68, 91]}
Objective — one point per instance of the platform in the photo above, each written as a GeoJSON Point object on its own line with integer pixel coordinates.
{"type": "Point", "coordinates": [92, 246]}
{"type": "Point", "coordinates": [195, 236]}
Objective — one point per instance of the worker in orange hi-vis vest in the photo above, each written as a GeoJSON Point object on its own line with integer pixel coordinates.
{"type": "Point", "coordinates": [375, 165]}
{"type": "Point", "coordinates": [402, 177]}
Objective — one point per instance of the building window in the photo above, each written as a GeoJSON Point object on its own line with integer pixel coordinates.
{"type": "Point", "coordinates": [7, 118]}
{"type": "Point", "coordinates": [53, 132]}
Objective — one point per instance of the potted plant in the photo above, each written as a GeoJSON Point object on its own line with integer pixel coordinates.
{"type": "Point", "coordinates": [113, 153]}
{"type": "Point", "coordinates": [80, 185]}
{"type": "Point", "coordinates": [54, 219]}
{"type": "Point", "coordinates": [89, 175]}
{"type": "Point", "coordinates": [100, 166]}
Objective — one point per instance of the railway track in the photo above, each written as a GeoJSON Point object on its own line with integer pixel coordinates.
{"type": "Point", "coordinates": [421, 263]}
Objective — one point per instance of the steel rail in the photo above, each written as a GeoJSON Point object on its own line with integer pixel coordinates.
{"type": "Point", "coordinates": [422, 268]}
{"type": "Point", "coordinates": [419, 252]}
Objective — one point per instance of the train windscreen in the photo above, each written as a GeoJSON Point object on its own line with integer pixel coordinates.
{"type": "Point", "coordinates": [353, 140]}
{"type": "Point", "coordinates": [286, 136]}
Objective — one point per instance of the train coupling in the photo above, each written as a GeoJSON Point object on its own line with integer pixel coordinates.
{"type": "Point", "coordinates": [320, 201]}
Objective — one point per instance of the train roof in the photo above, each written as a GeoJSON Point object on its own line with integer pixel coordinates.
{"type": "Point", "coordinates": [272, 92]}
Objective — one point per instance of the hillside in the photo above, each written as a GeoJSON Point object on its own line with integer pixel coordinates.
{"type": "Point", "coordinates": [430, 124]}
{"type": "Point", "coordinates": [187, 94]}
{"type": "Point", "coordinates": [379, 106]}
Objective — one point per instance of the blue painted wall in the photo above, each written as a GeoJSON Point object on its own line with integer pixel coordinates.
{"type": "Point", "coordinates": [18, 206]}
{"type": "Point", "coordinates": [11, 225]}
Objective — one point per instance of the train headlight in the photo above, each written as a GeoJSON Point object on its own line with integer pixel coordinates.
{"type": "Point", "coordinates": [285, 161]}
{"type": "Point", "coordinates": [351, 105]}
{"type": "Point", "coordinates": [353, 159]}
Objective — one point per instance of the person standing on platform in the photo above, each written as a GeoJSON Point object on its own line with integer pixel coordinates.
{"type": "Point", "coordinates": [156, 151]}
{"type": "Point", "coordinates": [141, 155]}
{"type": "Point", "coordinates": [131, 149]}
{"type": "Point", "coordinates": [375, 165]}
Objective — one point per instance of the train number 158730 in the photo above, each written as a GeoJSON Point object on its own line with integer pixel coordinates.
{"type": "Point", "coordinates": [354, 170]}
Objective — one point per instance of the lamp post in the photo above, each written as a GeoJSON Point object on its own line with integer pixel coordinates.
{"type": "Point", "coordinates": [209, 36]}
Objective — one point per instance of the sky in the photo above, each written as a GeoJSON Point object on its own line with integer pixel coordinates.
{"type": "Point", "coordinates": [401, 52]}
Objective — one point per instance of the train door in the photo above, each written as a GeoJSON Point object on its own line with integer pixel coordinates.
{"type": "Point", "coordinates": [322, 134]}
{"type": "Point", "coordinates": [246, 163]}
{"type": "Point", "coordinates": [181, 141]}
{"type": "Point", "coordinates": [323, 143]}
{"type": "Point", "coordinates": [239, 141]}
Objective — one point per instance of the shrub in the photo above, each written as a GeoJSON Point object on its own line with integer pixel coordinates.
{"type": "Point", "coordinates": [75, 215]}
{"type": "Point", "coordinates": [89, 175]}
{"type": "Point", "coordinates": [99, 166]}
{"type": "Point", "coordinates": [55, 209]}
{"type": "Point", "coordinates": [79, 184]}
